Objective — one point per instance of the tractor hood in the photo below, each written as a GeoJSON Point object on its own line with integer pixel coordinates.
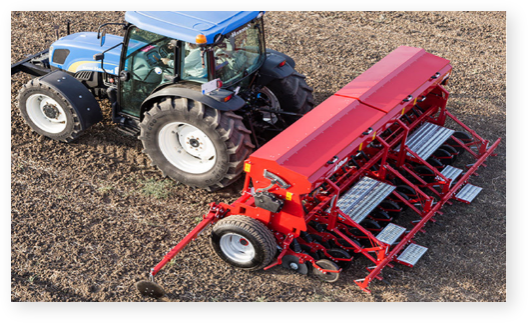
{"type": "Point", "coordinates": [74, 53]}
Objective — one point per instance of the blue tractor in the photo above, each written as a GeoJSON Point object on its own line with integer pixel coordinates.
{"type": "Point", "coordinates": [199, 89]}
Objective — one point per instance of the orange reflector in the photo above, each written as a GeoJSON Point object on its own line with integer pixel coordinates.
{"type": "Point", "coordinates": [201, 39]}
{"type": "Point", "coordinates": [247, 167]}
{"type": "Point", "coordinates": [282, 64]}
{"type": "Point", "coordinates": [227, 98]}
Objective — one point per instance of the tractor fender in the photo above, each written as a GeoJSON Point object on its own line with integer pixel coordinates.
{"type": "Point", "coordinates": [193, 92]}
{"type": "Point", "coordinates": [271, 70]}
{"type": "Point", "coordinates": [80, 98]}
{"type": "Point", "coordinates": [289, 60]}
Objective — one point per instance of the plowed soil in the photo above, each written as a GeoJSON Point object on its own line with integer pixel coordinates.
{"type": "Point", "coordinates": [90, 218]}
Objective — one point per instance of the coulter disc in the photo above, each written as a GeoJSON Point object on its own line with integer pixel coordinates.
{"type": "Point", "coordinates": [150, 289]}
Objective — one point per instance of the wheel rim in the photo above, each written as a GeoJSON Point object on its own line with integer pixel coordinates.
{"type": "Point", "coordinates": [187, 147]}
{"type": "Point", "coordinates": [237, 248]}
{"type": "Point", "coordinates": [274, 104]}
{"type": "Point", "coordinates": [46, 113]}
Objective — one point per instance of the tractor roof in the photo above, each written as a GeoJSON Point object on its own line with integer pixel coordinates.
{"type": "Point", "coordinates": [186, 25]}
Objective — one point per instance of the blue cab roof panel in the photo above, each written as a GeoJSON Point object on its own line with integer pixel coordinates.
{"type": "Point", "coordinates": [186, 25]}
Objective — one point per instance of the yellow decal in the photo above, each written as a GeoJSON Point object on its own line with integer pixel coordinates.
{"type": "Point", "coordinates": [289, 196]}
{"type": "Point", "coordinates": [415, 101]}
{"type": "Point", "coordinates": [75, 66]}
{"type": "Point", "coordinates": [360, 146]}
{"type": "Point", "coordinates": [247, 167]}
{"type": "Point", "coordinates": [403, 111]}
{"type": "Point", "coordinates": [374, 135]}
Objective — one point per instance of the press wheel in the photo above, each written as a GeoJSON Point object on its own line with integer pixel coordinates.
{"type": "Point", "coordinates": [462, 136]}
{"type": "Point", "coordinates": [329, 265]}
{"type": "Point", "coordinates": [436, 163]}
{"type": "Point", "coordinates": [340, 253]}
{"type": "Point", "coordinates": [443, 156]}
{"type": "Point", "coordinates": [425, 173]}
{"type": "Point", "coordinates": [451, 150]}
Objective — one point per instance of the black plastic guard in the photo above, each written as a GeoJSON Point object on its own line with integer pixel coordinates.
{"type": "Point", "coordinates": [193, 92]}
{"type": "Point", "coordinates": [80, 98]}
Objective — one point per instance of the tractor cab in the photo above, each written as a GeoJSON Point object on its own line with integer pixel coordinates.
{"type": "Point", "coordinates": [165, 48]}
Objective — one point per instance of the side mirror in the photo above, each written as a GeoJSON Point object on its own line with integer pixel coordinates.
{"type": "Point", "coordinates": [98, 57]}
{"type": "Point", "coordinates": [102, 36]}
{"type": "Point", "coordinates": [124, 76]}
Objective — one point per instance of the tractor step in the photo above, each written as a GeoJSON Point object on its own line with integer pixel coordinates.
{"type": "Point", "coordinates": [411, 254]}
{"type": "Point", "coordinates": [451, 173]}
{"type": "Point", "coordinates": [390, 233]}
{"type": "Point", "coordinates": [363, 197]}
{"type": "Point", "coordinates": [427, 139]}
{"type": "Point", "coordinates": [468, 193]}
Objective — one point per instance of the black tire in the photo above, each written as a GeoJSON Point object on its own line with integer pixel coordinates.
{"type": "Point", "coordinates": [425, 173]}
{"type": "Point", "coordinates": [72, 129]}
{"type": "Point", "coordinates": [407, 190]}
{"type": "Point", "coordinates": [371, 225]}
{"type": "Point", "coordinates": [463, 137]}
{"type": "Point", "coordinates": [380, 216]}
{"type": "Point", "coordinates": [340, 253]}
{"type": "Point", "coordinates": [294, 95]}
{"type": "Point", "coordinates": [450, 150]}
{"type": "Point", "coordinates": [391, 208]}
{"type": "Point", "coordinates": [225, 130]}
{"type": "Point", "coordinates": [435, 163]}
{"type": "Point", "coordinates": [445, 157]}
{"type": "Point", "coordinates": [254, 231]}
{"type": "Point", "coordinates": [403, 206]}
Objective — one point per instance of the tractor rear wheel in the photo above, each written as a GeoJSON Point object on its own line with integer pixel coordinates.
{"type": "Point", "coordinates": [195, 144]}
{"type": "Point", "coordinates": [294, 95]}
{"type": "Point", "coordinates": [243, 242]}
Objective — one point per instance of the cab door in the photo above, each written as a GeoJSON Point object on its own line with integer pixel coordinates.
{"type": "Point", "coordinates": [148, 61]}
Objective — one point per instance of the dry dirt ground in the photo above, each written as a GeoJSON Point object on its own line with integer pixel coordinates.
{"type": "Point", "coordinates": [90, 218]}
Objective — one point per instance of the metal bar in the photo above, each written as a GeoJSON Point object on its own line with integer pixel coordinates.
{"type": "Point", "coordinates": [475, 135]}
{"type": "Point", "coordinates": [212, 216]}
{"type": "Point", "coordinates": [465, 146]}
{"type": "Point", "coordinates": [25, 65]}
{"type": "Point", "coordinates": [407, 203]}
{"type": "Point", "coordinates": [402, 156]}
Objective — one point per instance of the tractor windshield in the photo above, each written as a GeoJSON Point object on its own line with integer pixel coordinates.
{"type": "Point", "coordinates": [240, 53]}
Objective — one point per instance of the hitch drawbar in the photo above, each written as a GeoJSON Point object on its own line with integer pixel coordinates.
{"type": "Point", "coordinates": [328, 213]}
{"type": "Point", "coordinates": [150, 288]}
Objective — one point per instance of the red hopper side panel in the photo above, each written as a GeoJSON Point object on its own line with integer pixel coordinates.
{"type": "Point", "coordinates": [335, 127]}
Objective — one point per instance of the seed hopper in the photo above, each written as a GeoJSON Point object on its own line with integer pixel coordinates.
{"type": "Point", "coordinates": [332, 187]}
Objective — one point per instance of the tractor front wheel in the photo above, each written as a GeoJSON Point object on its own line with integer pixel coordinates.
{"type": "Point", "coordinates": [195, 144]}
{"type": "Point", "coordinates": [48, 112]}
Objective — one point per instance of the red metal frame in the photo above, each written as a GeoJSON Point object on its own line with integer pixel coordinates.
{"type": "Point", "coordinates": [350, 135]}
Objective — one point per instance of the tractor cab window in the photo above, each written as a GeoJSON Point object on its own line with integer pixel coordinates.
{"type": "Point", "coordinates": [192, 68]}
{"type": "Point", "coordinates": [149, 60]}
{"type": "Point", "coordinates": [240, 53]}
